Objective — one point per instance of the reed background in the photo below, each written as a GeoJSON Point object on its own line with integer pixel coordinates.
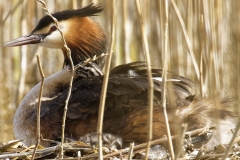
{"type": "Point", "coordinates": [212, 27]}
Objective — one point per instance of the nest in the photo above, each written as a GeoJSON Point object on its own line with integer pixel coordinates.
{"type": "Point", "coordinates": [194, 145]}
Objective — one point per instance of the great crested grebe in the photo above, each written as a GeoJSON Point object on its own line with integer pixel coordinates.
{"type": "Point", "coordinates": [125, 111]}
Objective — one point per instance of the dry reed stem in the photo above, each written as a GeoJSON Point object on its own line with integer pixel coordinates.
{"type": "Point", "coordinates": [11, 11]}
{"type": "Point", "coordinates": [71, 80]}
{"type": "Point", "coordinates": [181, 140]}
{"type": "Point", "coordinates": [39, 107]}
{"type": "Point", "coordinates": [149, 74]}
{"type": "Point", "coordinates": [160, 141]}
{"type": "Point", "coordinates": [164, 82]}
{"type": "Point", "coordinates": [208, 9]}
{"type": "Point", "coordinates": [232, 141]}
{"type": "Point", "coordinates": [196, 132]}
{"type": "Point", "coordinates": [125, 39]}
{"type": "Point", "coordinates": [26, 155]}
{"type": "Point", "coordinates": [130, 151]}
{"type": "Point", "coordinates": [23, 60]}
{"type": "Point", "coordinates": [40, 95]}
{"type": "Point", "coordinates": [140, 146]}
{"type": "Point", "coordinates": [201, 58]}
{"type": "Point", "coordinates": [105, 83]}
{"type": "Point", "coordinates": [89, 60]}
{"type": "Point", "coordinates": [186, 38]}
{"type": "Point", "coordinates": [215, 50]}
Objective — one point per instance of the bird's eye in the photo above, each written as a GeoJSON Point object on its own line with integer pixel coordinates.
{"type": "Point", "coordinates": [53, 28]}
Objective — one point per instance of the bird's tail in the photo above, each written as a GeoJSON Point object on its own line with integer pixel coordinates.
{"type": "Point", "coordinates": [208, 112]}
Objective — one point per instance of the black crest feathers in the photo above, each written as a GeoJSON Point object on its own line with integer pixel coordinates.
{"type": "Point", "coordinates": [90, 10]}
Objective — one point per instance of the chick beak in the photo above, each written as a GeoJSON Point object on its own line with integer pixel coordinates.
{"type": "Point", "coordinates": [29, 39]}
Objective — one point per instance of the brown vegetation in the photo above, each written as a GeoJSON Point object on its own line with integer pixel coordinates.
{"type": "Point", "coordinates": [211, 26]}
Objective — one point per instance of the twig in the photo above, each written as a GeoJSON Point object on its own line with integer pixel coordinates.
{"type": "Point", "coordinates": [164, 82]}
{"type": "Point", "coordinates": [71, 80]}
{"type": "Point", "coordinates": [140, 146]}
{"type": "Point", "coordinates": [25, 155]}
{"type": "Point", "coordinates": [39, 107]}
{"type": "Point", "coordinates": [199, 131]}
{"type": "Point", "coordinates": [12, 10]}
{"type": "Point", "coordinates": [232, 141]}
{"type": "Point", "coordinates": [201, 56]}
{"type": "Point", "coordinates": [105, 84]}
{"type": "Point", "coordinates": [149, 74]}
{"type": "Point", "coordinates": [130, 151]}
{"type": "Point", "coordinates": [159, 141]}
{"type": "Point", "coordinates": [23, 61]}
{"type": "Point", "coordinates": [186, 38]}
{"type": "Point", "coordinates": [89, 60]}
{"type": "Point", "coordinates": [181, 139]}
{"type": "Point", "coordinates": [125, 28]}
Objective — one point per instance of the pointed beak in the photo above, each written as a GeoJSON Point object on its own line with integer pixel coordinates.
{"type": "Point", "coordinates": [29, 39]}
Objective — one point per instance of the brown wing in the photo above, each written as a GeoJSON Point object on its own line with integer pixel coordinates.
{"type": "Point", "coordinates": [122, 91]}
{"type": "Point", "coordinates": [125, 92]}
